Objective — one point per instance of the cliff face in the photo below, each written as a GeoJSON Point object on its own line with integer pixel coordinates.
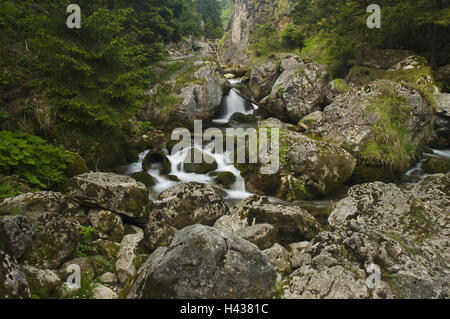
{"type": "Point", "coordinates": [247, 15]}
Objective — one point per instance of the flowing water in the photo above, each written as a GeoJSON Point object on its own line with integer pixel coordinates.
{"type": "Point", "coordinates": [231, 104]}
{"type": "Point", "coordinates": [417, 173]}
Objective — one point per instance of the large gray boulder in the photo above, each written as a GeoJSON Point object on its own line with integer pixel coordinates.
{"type": "Point", "coordinates": [222, 265]}
{"type": "Point", "coordinates": [384, 124]}
{"type": "Point", "coordinates": [262, 79]}
{"type": "Point", "coordinates": [35, 204]}
{"type": "Point", "coordinates": [125, 267]}
{"type": "Point", "coordinates": [117, 193]}
{"type": "Point", "coordinates": [293, 223]}
{"type": "Point", "coordinates": [13, 282]}
{"type": "Point", "coordinates": [180, 206]}
{"type": "Point", "coordinates": [55, 239]}
{"type": "Point", "coordinates": [16, 235]}
{"type": "Point", "coordinates": [308, 167]}
{"type": "Point", "coordinates": [189, 203]}
{"type": "Point", "coordinates": [262, 235]}
{"type": "Point", "coordinates": [200, 101]}
{"type": "Point", "coordinates": [298, 92]}
{"type": "Point", "coordinates": [406, 235]}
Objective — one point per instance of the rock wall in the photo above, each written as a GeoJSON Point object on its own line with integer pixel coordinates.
{"type": "Point", "coordinates": [247, 15]}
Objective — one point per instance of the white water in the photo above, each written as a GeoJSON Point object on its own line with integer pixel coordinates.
{"type": "Point", "coordinates": [416, 173]}
{"type": "Point", "coordinates": [234, 103]}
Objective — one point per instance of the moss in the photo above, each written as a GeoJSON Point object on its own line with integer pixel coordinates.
{"type": "Point", "coordinates": [340, 86]}
{"type": "Point", "coordinates": [411, 251]}
{"type": "Point", "coordinates": [392, 146]}
{"type": "Point", "coordinates": [302, 193]}
{"type": "Point", "coordinates": [222, 41]}
{"type": "Point", "coordinates": [436, 165]}
{"type": "Point", "coordinates": [225, 179]}
{"type": "Point", "coordinates": [145, 178]}
{"type": "Point", "coordinates": [136, 201]}
{"type": "Point", "coordinates": [39, 291]}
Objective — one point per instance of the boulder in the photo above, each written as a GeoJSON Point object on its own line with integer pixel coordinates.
{"type": "Point", "coordinates": [262, 79]}
{"type": "Point", "coordinates": [385, 125]}
{"type": "Point", "coordinates": [225, 179]}
{"type": "Point", "coordinates": [415, 69]}
{"type": "Point", "coordinates": [434, 190]}
{"type": "Point", "coordinates": [293, 223]}
{"type": "Point", "coordinates": [187, 204]}
{"type": "Point", "coordinates": [158, 234]}
{"type": "Point", "coordinates": [298, 92]}
{"type": "Point", "coordinates": [107, 224]}
{"type": "Point", "coordinates": [154, 157]}
{"type": "Point", "coordinates": [145, 178]}
{"type": "Point", "coordinates": [16, 235]}
{"type": "Point", "coordinates": [200, 101]}
{"type": "Point", "coordinates": [308, 168]}
{"type": "Point", "coordinates": [55, 239]}
{"type": "Point", "coordinates": [108, 278]}
{"type": "Point", "coordinates": [102, 292]}
{"type": "Point", "coordinates": [13, 282]}
{"type": "Point", "coordinates": [44, 283]}
{"type": "Point", "coordinates": [405, 234]}
{"type": "Point", "coordinates": [86, 268]}
{"type": "Point", "coordinates": [125, 267]}
{"type": "Point", "coordinates": [35, 204]}
{"type": "Point", "coordinates": [262, 235]}
{"type": "Point", "coordinates": [120, 194]}
{"type": "Point", "coordinates": [279, 258]}
{"type": "Point", "coordinates": [224, 265]}
{"type": "Point", "coordinates": [231, 223]}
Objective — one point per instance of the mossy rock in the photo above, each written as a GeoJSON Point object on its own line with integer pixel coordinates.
{"type": "Point", "coordinates": [154, 157]}
{"type": "Point", "coordinates": [41, 288]}
{"type": "Point", "coordinates": [367, 174]}
{"type": "Point", "coordinates": [77, 167]}
{"type": "Point", "coordinates": [207, 165]}
{"type": "Point", "coordinates": [132, 155]}
{"type": "Point", "coordinates": [225, 179]}
{"type": "Point", "coordinates": [145, 178]}
{"type": "Point", "coordinates": [436, 165]}
{"type": "Point", "coordinates": [173, 178]}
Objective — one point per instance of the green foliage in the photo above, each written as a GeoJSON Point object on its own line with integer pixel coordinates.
{"type": "Point", "coordinates": [84, 247]}
{"type": "Point", "coordinates": [32, 158]}
{"type": "Point", "coordinates": [292, 37]}
{"type": "Point", "coordinates": [6, 191]}
{"type": "Point", "coordinates": [265, 40]}
{"type": "Point", "coordinates": [146, 126]}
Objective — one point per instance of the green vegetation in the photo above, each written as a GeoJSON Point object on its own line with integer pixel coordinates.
{"type": "Point", "coordinates": [86, 291]}
{"type": "Point", "coordinates": [392, 146]}
{"type": "Point", "coordinates": [291, 37]}
{"type": "Point", "coordinates": [84, 247]}
{"type": "Point", "coordinates": [340, 86]}
{"type": "Point", "coordinates": [32, 158]}
{"type": "Point", "coordinates": [338, 35]}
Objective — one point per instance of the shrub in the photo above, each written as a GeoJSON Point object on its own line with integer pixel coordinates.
{"type": "Point", "coordinates": [292, 37]}
{"type": "Point", "coordinates": [32, 158]}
